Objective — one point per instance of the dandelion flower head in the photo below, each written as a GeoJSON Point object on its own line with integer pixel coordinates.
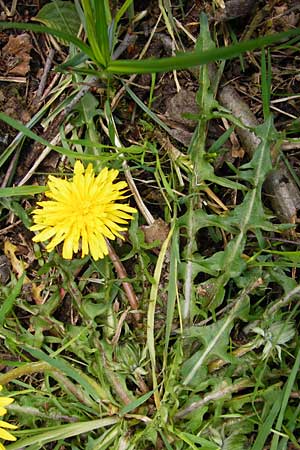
{"type": "Point", "coordinates": [4, 434]}
{"type": "Point", "coordinates": [82, 212]}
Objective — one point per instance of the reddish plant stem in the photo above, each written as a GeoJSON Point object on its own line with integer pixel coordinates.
{"type": "Point", "coordinates": [122, 274]}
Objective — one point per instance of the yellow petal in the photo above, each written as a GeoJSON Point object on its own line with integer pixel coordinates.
{"type": "Point", "coordinates": [5, 401]}
{"type": "Point", "coordinates": [7, 425]}
{"type": "Point", "coordinates": [6, 435]}
{"type": "Point", "coordinates": [78, 168]}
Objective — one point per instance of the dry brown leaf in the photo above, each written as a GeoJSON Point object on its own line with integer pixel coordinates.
{"type": "Point", "coordinates": [18, 267]}
{"type": "Point", "coordinates": [158, 231]}
{"type": "Point", "coordinates": [16, 54]}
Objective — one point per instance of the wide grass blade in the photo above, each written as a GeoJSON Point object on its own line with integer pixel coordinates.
{"type": "Point", "coordinates": [94, 32]}
{"type": "Point", "coordinates": [196, 58]}
{"type": "Point", "coordinates": [63, 432]}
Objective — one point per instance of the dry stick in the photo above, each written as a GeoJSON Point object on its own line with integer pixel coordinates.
{"type": "Point", "coordinates": [10, 227]}
{"type": "Point", "coordinates": [120, 269]}
{"type": "Point", "coordinates": [117, 334]}
{"type": "Point", "coordinates": [46, 71]}
{"type": "Point", "coordinates": [139, 201]}
{"type": "Point", "coordinates": [43, 155]}
{"type": "Point", "coordinates": [5, 9]}
{"type": "Point", "coordinates": [50, 86]}
{"type": "Point", "coordinates": [10, 168]}
{"type": "Point", "coordinates": [284, 301]}
{"type": "Point", "coordinates": [122, 91]}
{"type": "Point", "coordinates": [35, 412]}
{"type": "Point", "coordinates": [112, 377]}
{"type": "Point", "coordinates": [286, 146]}
{"type": "Point", "coordinates": [8, 79]}
{"type": "Point", "coordinates": [215, 395]}
{"type": "Point", "coordinates": [284, 193]}
{"type": "Point", "coordinates": [71, 387]}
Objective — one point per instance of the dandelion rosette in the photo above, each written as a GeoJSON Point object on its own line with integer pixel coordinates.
{"type": "Point", "coordinates": [4, 426]}
{"type": "Point", "coordinates": [83, 212]}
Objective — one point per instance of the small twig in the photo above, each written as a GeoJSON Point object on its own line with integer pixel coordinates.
{"type": "Point", "coordinates": [290, 146]}
{"type": "Point", "coordinates": [122, 91]}
{"type": "Point", "coordinates": [5, 9]}
{"type": "Point", "coordinates": [117, 334]}
{"type": "Point", "coordinates": [11, 168]}
{"type": "Point", "coordinates": [46, 71]}
{"type": "Point", "coordinates": [13, 8]}
{"type": "Point", "coordinates": [10, 227]}
{"type": "Point", "coordinates": [71, 388]}
{"type": "Point", "coordinates": [14, 79]}
{"type": "Point", "coordinates": [284, 301]}
{"type": "Point", "coordinates": [139, 201]}
{"type": "Point", "coordinates": [112, 377]}
{"type": "Point", "coordinates": [35, 412]}
{"type": "Point", "coordinates": [120, 269]}
{"type": "Point", "coordinates": [50, 86]}
{"type": "Point", "coordinates": [43, 155]}
{"type": "Point", "coordinates": [215, 395]}
{"type": "Point", "coordinates": [129, 39]}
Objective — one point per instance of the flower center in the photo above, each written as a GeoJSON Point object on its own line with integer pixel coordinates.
{"type": "Point", "coordinates": [84, 209]}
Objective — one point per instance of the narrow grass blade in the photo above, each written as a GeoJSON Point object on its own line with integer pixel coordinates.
{"type": "Point", "coordinates": [265, 427]}
{"type": "Point", "coordinates": [9, 301]}
{"type": "Point", "coordinates": [151, 312]}
{"type": "Point", "coordinates": [92, 30]}
{"type": "Point", "coordinates": [133, 405]}
{"type": "Point", "coordinates": [101, 26]}
{"type": "Point", "coordinates": [41, 29]}
{"type": "Point", "coordinates": [172, 291]}
{"type": "Point", "coordinates": [30, 134]}
{"type": "Point", "coordinates": [266, 82]}
{"type": "Point", "coordinates": [148, 111]}
{"type": "Point", "coordinates": [286, 395]}
{"type": "Point", "coordinates": [121, 11]}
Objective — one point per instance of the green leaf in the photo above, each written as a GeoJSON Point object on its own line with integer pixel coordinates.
{"type": "Point", "coordinates": [136, 403]}
{"type": "Point", "coordinates": [215, 338]}
{"type": "Point", "coordinates": [20, 191]}
{"type": "Point", "coordinates": [60, 15]}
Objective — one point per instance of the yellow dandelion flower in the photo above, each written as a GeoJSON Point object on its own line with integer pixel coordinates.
{"type": "Point", "coordinates": [5, 401]}
{"type": "Point", "coordinates": [5, 434]}
{"type": "Point", "coordinates": [84, 211]}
